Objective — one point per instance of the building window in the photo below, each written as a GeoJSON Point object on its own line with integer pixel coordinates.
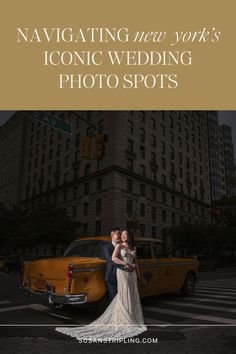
{"type": "Point", "coordinates": [142, 170]}
{"type": "Point", "coordinates": [154, 214]}
{"type": "Point", "coordinates": [129, 206]}
{"type": "Point", "coordinates": [86, 209]}
{"type": "Point", "coordinates": [163, 130]}
{"type": "Point", "coordinates": [101, 126]}
{"type": "Point", "coordinates": [99, 185]}
{"type": "Point", "coordinates": [67, 161]}
{"type": "Point", "coordinates": [75, 192]}
{"type": "Point", "coordinates": [130, 127]}
{"type": "Point", "coordinates": [130, 164]}
{"type": "Point", "coordinates": [163, 194]}
{"type": "Point", "coordinates": [68, 143]}
{"type": "Point", "coordinates": [130, 145]}
{"type": "Point", "coordinates": [58, 150]}
{"type": "Point", "coordinates": [181, 204]}
{"type": "Point", "coordinates": [142, 135]}
{"type": "Point", "coordinates": [142, 190]}
{"type": "Point", "coordinates": [142, 210]}
{"type": "Point", "coordinates": [77, 140]}
{"type": "Point", "coordinates": [153, 140]}
{"type": "Point", "coordinates": [163, 163]}
{"type": "Point", "coordinates": [154, 231]}
{"type": "Point", "coordinates": [153, 157]}
{"type": "Point", "coordinates": [153, 175]}
{"type": "Point", "coordinates": [142, 230]}
{"type": "Point", "coordinates": [129, 185]}
{"type": "Point", "coordinates": [153, 123]}
{"type": "Point", "coordinates": [173, 200]}
{"type": "Point", "coordinates": [163, 215]}
{"type": "Point", "coordinates": [85, 229]}
{"type": "Point", "coordinates": [173, 218]}
{"type": "Point", "coordinates": [87, 169]}
{"type": "Point", "coordinates": [86, 188]}
{"type": "Point", "coordinates": [98, 227]}
{"type": "Point", "coordinates": [163, 147]}
{"type": "Point", "coordinates": [65, 195]}
{"type": "Point", "coordinates": [142, 152]}
{"type": "Point", "coordinates": [98, 206]}
{"type": "Point", "coordinates": [74, 211]}
{"type": "Point", "coordinates": [163, 180]}
{"type": "Point", "coordinates": [153, 194]}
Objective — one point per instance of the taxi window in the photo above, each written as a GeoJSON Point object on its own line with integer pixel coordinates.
{"type": "Point", "coordinates": [87, 248]}
{"type": "Point", "coordinates": [158, 250]}
{"type": "Point", "coordinates": [143, 250]}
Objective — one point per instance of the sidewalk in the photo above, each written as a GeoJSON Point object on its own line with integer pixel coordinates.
{"type": "Point", "coordinates": [201, 340]}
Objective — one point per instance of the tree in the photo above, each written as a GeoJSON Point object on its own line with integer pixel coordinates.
{"type": "Point", "coordinates": [50, 227]}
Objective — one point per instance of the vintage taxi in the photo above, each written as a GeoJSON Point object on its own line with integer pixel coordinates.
{"type": "Point", "coordinates": [78, 276]}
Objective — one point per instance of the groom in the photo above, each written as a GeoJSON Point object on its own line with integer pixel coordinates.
{"type": "Point", "coordinates": [110, 275]}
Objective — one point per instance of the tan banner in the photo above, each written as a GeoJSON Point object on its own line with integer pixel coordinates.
{"type": "Point", "coordinates": [117, 55]}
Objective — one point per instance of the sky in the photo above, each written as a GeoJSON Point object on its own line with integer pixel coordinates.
{"type": "Point", "coordinates": [225, 117]}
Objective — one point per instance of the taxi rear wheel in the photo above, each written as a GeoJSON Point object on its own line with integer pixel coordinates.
{"type": "Point", "coordinates": [188, 288]}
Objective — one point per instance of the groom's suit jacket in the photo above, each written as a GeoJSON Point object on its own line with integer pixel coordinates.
{"type": "Point", "coordinates": [110, 275]}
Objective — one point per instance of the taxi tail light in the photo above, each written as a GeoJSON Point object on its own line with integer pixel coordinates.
{"type": "Point", "coordinates": [70, 270]}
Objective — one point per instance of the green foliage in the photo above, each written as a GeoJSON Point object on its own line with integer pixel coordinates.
{"type": "Point", "coordinates": [45, 226]}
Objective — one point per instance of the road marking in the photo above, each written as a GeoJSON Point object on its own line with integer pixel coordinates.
{"type": "Point", "coordinates": [5, 302]}
{"type": "Point", "coordinates": [37, 307]}
{"type": "Point", "coordinates": [223, 292]}
{"type": "Point", "coordinates": [149, 321]}
{"type": "Point", "coordinates": [191, 315]}
{"type": "Point", "coordinates": [219, 286]}
{"type": "Point", "coordinates": [223, 287]}
{"type": "Point", "coordinates": [216, 296]}
{"type": "Point", "coordinates": [53, 314]}
{"type": "Point", "coordinates": [212, 300]}
{"type": "Point", "coordinates": [216, 308]}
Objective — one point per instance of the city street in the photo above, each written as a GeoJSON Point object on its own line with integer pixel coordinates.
{"type": "Point", "coordinates": [205, 323]}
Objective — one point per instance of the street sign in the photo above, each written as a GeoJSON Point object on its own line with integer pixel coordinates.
{"type": "Point", "coordinates": [50, 120]}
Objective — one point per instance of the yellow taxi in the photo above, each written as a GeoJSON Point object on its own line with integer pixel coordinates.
{"type": "Point", "coordinates": [78, 276]}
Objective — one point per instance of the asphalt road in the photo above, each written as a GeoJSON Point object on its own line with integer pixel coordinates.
{"type": "Point", "coordinates": [172, 319]}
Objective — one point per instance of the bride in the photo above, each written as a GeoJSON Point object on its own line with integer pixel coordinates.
{"type": "Point", "coordinates": [123, 318]}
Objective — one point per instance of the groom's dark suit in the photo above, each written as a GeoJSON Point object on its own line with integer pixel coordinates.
{"type": "Point", "coordinates": [110, 275]}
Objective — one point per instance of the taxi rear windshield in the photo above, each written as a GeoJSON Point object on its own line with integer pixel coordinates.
{"type": "Point", "coordinates": [87, 248]}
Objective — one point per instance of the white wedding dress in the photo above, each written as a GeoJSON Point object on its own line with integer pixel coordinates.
{"type": "Point", "coordinates": [123, 318]}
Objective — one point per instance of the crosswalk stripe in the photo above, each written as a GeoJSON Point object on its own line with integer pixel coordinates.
{"type": "Point", "coordinates": [221, 292]}
{"type": "Point", "coordinates": [5, 302]}
{"type": "Point", "coordinates": [191, 315]}
{"type": "Point", "coordinates": [218, 284]}
{"type": "Point", "coordinates": [197, 306]}
{"type": "Point", "coordinates": [215, 287]}
{"type": "Point", "coordinates": [212, 300]}
{"type": "Point", "coordinates": [37, 307]}
{"type": "Point", "coordinates": [216, 296]}
{"type": "Point", "coordinates": [149, 321]}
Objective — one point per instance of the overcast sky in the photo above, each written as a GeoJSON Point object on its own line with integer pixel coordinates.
{"type": "Point", "coordinates": [225, 117]}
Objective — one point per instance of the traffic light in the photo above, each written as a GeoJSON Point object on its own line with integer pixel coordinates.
{"type": "Point", "coordinates": [100, 139]}
{"type": "Point", "coordinates": [87, 147]}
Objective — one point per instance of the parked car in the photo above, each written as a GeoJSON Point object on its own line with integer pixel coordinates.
{"type": "Point", "coordinates": [78, 276]}
{"type": "Point", "coordinates": [205, 262]}
{"type": "Point", "coordinates": [2, 262]}
{"type": "Point", "coordinates": [16, 262]}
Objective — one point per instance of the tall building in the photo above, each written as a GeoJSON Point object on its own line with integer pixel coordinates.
{"type": "Point", "coordinates": [221, 159]}
{"type": "Point", "coordinates": [155, 169]}
{"type": "Point", "coordinates": [12, 139]}
{"type": "Point", "coordinates": [228, 153]}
